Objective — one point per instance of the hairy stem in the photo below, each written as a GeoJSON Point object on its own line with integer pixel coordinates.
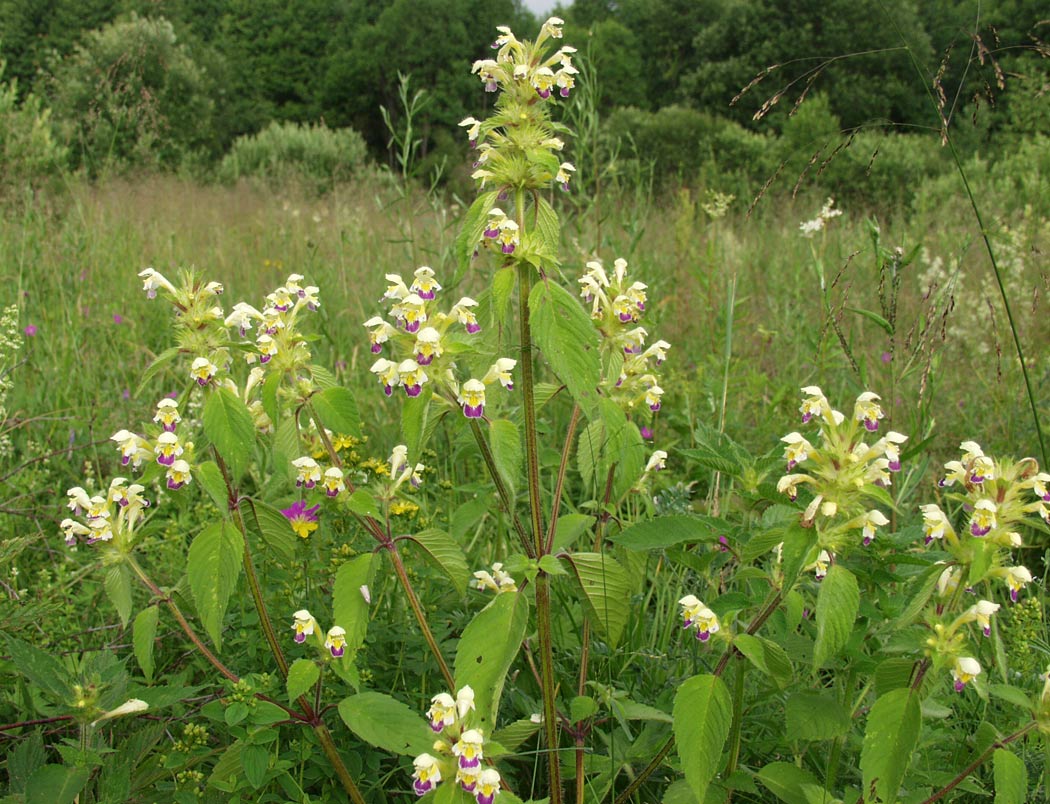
{"type": "Point", "coordinates": [1021, 732]}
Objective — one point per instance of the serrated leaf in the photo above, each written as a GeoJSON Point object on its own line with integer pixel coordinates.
{"type": "Point", "coordinates": [703, 713]}
{"type": "Point", "coordinates": [837, 605]}
{"type": "Point", "coordinates": [815, 716]}
{"type": "Point", "coordinates": [386, 723]}
{"type": "Point", "coordinates": [350, 610]}
{"type": "Point", "coordinates": [337, 410]}
{"type": "Point", "coordinates": [568, 340]}
{"type": "Point", "coordinates": [766, 656]}
{"type": "Point", "coordinates": [472, 228]}
{"type": "Point", "coordinates": [228, 765]}
{"type": "Point", "coordinates": [507, 452]}
{"type": "Point", "coordinates": [582, 707]}
{"type": "Point", "coordinates": [117, 584]}
{"type": "Point", "coordinates": [143, 633]}
{"type": "Point", "coordinates": [606, 591]}
{"type": "Point", "coordinates": [362, 503]}
{"type": "Point", "coordinates": [785, 781]}
{"type": "Point", "coordinates": [286, 447]}
{"type": "Point", "coordinates": [550, 564]}
{"type": "Point", "coordinates": [502, 288]}
{"type": "Point", "coordinates": [890, 737]}
{"type": "Point", "coordinates": [486, 650]}
{"type": "Point", "coordinates": [446, 554]}
{"type": "Point", "coordinates": [302, 676]}
{"type": "Point", "coordinates": [24, 759]}
{"type": "Point", "coordinates": [56, 784]}
{"type": "Point", "coordinates": [273, 527]}
{"type": "Point", "coordinates": [667, 531]}
{"type": "Point", "coordinates": [255, 760]}
{"type": "Point", "coordinates": [918, 601]}
{"type": "Point", "coordinates": [209, 476]}
{"type": "Point", "coordinates": [548, 228]}
{"type": "Point", "coordinates": [570, 528]}
{"type": "Point", "coordinates": [1013, 695]}
{"type": "Point", "coordinates": [514, 734]}
{"type": "Point", "coordinates": [230, 428]}
{"type": "Point", "coordinates": [213, 566]}
{"type": "Point", "coordinates": [1011, 777]}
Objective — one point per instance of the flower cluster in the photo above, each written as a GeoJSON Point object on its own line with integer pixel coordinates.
{"type": "Point", "coordinates": [497, 581]}
{"type": "Point", "coordinates": [277, 339]}
{"type": "Point", "coordinates": [167, 447]}
{"type": "Point", "coordinates": [304, 625]}
{"type": "Point", "coordinates": [827, 212]}
{"type": "Point", "coordinates": [309, 475]}
{"type": "Point", "coordinates": [521, 133]}
{"type": "Point", "coordinates": [617, 304]}
{"type": "Point", "coordinates": [844, 473]}
{"type": "Point", "coordinates": [423, 343]}
{"type": "Point", "coordinates": [460, 747]}
{"type": "Point", "coordinates": [109, 517]}
{"type": "Point", "coordinates": [699, 617]}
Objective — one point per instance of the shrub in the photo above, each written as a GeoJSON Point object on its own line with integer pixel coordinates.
{"type": "Point", "coordinates": [29, 153]}
{"type": "Point", "coordinates": [315, 155]}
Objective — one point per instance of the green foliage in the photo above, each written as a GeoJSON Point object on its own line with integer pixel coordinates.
{"type": "Point", "coordinates": [282, 153]}
{"type": "Point", "coordinates": [703, 714]}
{"type": "Point", "coordinates": [29, 153]}
{"type": "Point", "coordinates": [213, 566]}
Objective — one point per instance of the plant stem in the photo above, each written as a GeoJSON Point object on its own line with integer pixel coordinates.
{"type": "Point", "coordinates": [1021, 732]}
{"type": "Point", "coordinates": [532, 463]}
{"type": "Point", "coordinates": [501, 488]}
{"type": "Point", "coordinates": [738, 711]}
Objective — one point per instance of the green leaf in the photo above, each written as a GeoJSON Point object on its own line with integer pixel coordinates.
{"type": "Point", "coordinates": [514, 734]}
{"type": "Point", "coordinates": [767, 656]}
{"type": "Point", "coordinates": [269, 395]}
{"type": "Point", "coordinates": [208, 474]}
{"type": "Point", "coordinates": [582, 707]}
{"type": "Point", "coordinates": [118, 588]}
{"type": "Point", "coordinates": [446, 554]}
{"type": "Point", "coordinates": [551, 565]}
{"type": "Point", "coordinates": [717, 451]}
{"type": "Point", "coordinates": [272, 526]}
{"type": "Point", "coordinates": [286, 447]}
{"type": "Point", "coordinates": [1011, 777]}
{"type": "Point", "coordinates": [703, 713]}
{"type": "Point", "coordinates": [507, 452]}
{"type": "Point", "coordinates": [362, 503]}
{"type": "Point", "coordinates": [606, 591]}
{"type": "Point", "coordinates": [386, 723]}
{"type": "Point", "coordinates": [890, 738]}
{"type": "Point", "coordinates": [548, 228]}
{"type": "Point", "coordinates": [1012, 695]}
{"type": "Point", "coordinates": [349, 607]}
{"type": "Point", "coordinates": [567, 337]}
{"type": "Point", "coordinates": [414, 416]}
{"type": "Point", "coordinates": [255, 760]}
{"type": "Point", "coordinates": [56, 784]}
{"type": "Point", "coordinates": [337, 410]}
{"type": "Point", "coordinates": [302, 675]}
{"type": "Point", "coordinates": [229, 426]}
{"type": "Point", "coordinates": [874, 317]}
{"type": "Point", "coordinates": [41, 668]}
{"type": "Point", "coordinates": [486, 650]}
{"type": "Point", "coordinates": [213, 566]}
{"type": "Point", "coordinates": [815, 716]}
{"type": "Point", "coordinates": [918, 601]}
{"type": "Point", "coordinates": [156, 366]}
{"type": "Point", "coordinates": [143, 632]}
{"type": "Point", "coordinates": [502, 288]}
{"type": "Point", "coordinates": [472, 228]}
{"type": "Point", "coordinates": [785, 781]}
{"type": "Point", "coordinates": [666, 531]}
{"type": "Point", "coordinates": [570, 528]}
{"type": "Point", "coordinates": [26, 756]}
{"type": "Point", "coordinates": [837, 605]}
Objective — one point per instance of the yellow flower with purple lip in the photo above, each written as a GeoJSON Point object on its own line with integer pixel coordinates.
{"type": "Point", "coordinates": [428, 346]}
{"type": "Point", "coordinates": [966, 669]}
{"type": "Point", "coordinates": [127, 496]}
{"type": "Point", "coordinates": [267, 347]}
{"type": "Point", "coordinates": [98, 508]}
{"type": "Point", "coordinates": [100, 530]}
{"type": "Point", "coordinates": [178, 475]}
{"type": "Point", "coordinates": [472, 398]}
{"type": "Point", "coordinates": [71, 529]}
{"type": "Point", "coordinates": [309, 472]}
{"type": "Point", "coordinates": [788, 484]}
{"type": "Point", "coordinates": [565, 171]}
{"type": "Point", "coordinates": [892, 445]}
{"type": "Point", "coordinates": [542, 81]}
{"type": "Point", "coordinates": [814, 404]}
{"type": "Point", "coordinates": [935, 524]}
{"type": "Point", "coordinates": [333, 482]}
{"type": "Point", "coordinates": [699, 617]}
{"type": "Point", "coordinates": [867, 411]}
{"type": "Point", "coordinates": [496, 218]}
{"type": "Point", "coordinates": [488, 786]}
{"type": "Point", "coordinates": [1039, 486]}
{"type": "Point", "coordinates": [79, 500]}
{"type": "Point", "coordinates": [410, 313]}
{"type": "Point", "coordinates": [634, 340]}
{"type": "Point", "coordinates": [565, 79]}
{"type": "Point", "coordinates": [870, 521]}
{"type": "Point", "coordinates": [982, 468]}
{"type": "Point", "coordinates": [303, 624]}
{"type": "Point", "coordinates": [469, 749]}
{"type": "Point", "coordinates": [500, 370]}
{"type": "Point", "coordinates": [653, 392]}
{"type": "Point", "coordinates": [242, 317]}
{"type": "Point", "coordinates": [552, 27]}
{"type": "Point", "coordinates": [462, 312]}
{"type": "Point", "coordinates": [281, 299]}
{"type": "Point", "coordinates": [1017, 578]}
{"type": "Point", "coordinates": [411, 376]}
{"type": "Point", "coordinates": [154, 281]}
{"type": "Point", "coordinates": [388, 375]}
{"type": "Point", "coordinates": [467, 778]}
{"type": "Point", "coordinates": [426, 774]}
{"type": "Point", "coordinates": [625, 309]}
{"type": "Point", "coordinates": [658, 350]}
{"type": "Point", "coordinates": [310, 299]}
{"type": "Point", "coordinates": [982, 612]}
{"type": "Point", "coordinates": [473, 130]}
{"type": "Point", "coordinates": [379, 333]}
{"type": "Point", "coordinates": [335, 641]}
{"type": "Point", "coordinates": [202, 370]}
{"type": "Point", "coordinates": [302, 519]}
{"type": "Point", "coordinates": [425, 286]}
{"type": "Point", "coordinates": [132, 448]}
{"type": "Point", "coordinates": [657, 462]}
{"type": "Point", "coordinates": [508, 237]}
{"type": "Point", "coordinates": [442, 712]}
{"type": "Point", "coordinates": [167, 415]}
{"type": "Point", "coordinates": [797, 451]}
{"type": "Point", "coordinates": [983, 518]}
{"type": "Point", "coordinates": [167, 448]}
{"type": "Point", "coordinates": [294, 285]}
{"type": "Point", "coordinates": [820, 566]}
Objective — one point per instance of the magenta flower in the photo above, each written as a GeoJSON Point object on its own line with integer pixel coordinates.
{"type": "Point", "coordinates": [30, 330]}
{"type": "Point", "coordinates": [302, 519]}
